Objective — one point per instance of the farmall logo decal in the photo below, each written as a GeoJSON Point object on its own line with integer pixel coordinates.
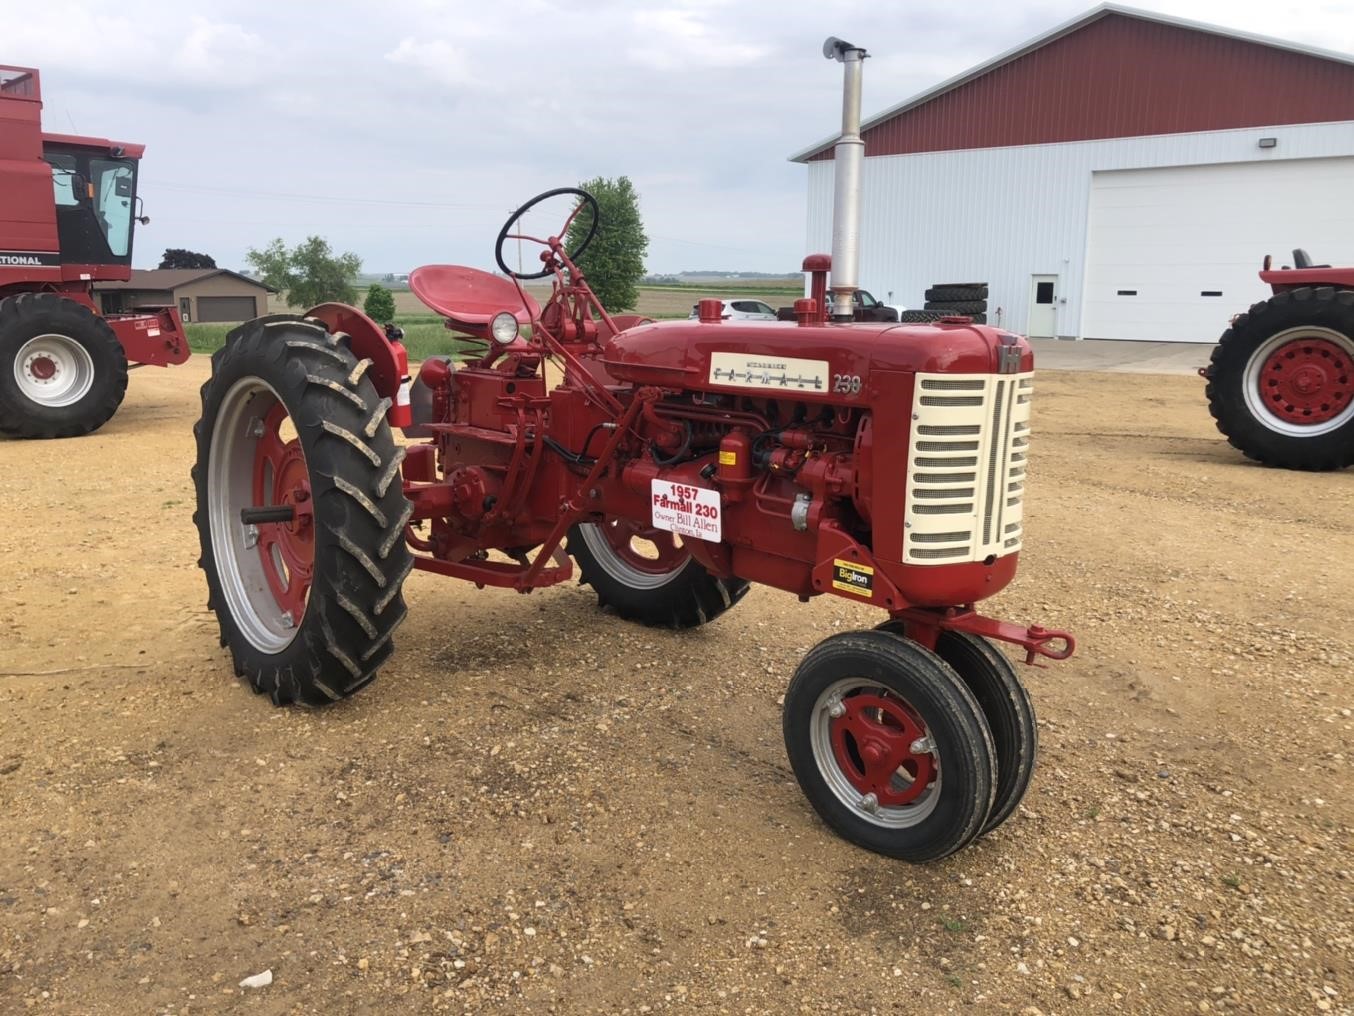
{"type": "Point", "coordinates": [28, 259]}
{"type": "Point", "coordinates": [773, 373]}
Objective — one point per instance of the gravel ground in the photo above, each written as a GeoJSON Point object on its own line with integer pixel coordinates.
{"type": "Point", "coordinates": [539, 808]}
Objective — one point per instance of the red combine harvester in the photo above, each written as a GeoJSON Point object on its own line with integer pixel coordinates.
{"type": "Point", "coordinates": [67, 212]}
{"type": "Point", "coordinates": [681, 461]}
{"type": "Point", "coordinates": [1281, 378]}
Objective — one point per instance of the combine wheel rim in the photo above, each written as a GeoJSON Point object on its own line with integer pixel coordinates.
{"type": "Point", "coordinates": [265, 577]}
{"type": "Point", "coordinates": [53, 370]}
{"type": "Point", "coordinates": [1300, 381]}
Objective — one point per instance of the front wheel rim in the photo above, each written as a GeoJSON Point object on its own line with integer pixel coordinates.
{"type": "Point", "coordinates": [636, 555]}
{"type": "Point", "coordinates": [1300, 382]}
{"type": "Point", "coordinates": [875, 753]}
{"type": "Point", "coordinates": [53, 370]}
{"type": "Point", "coordinates": [265, 570]}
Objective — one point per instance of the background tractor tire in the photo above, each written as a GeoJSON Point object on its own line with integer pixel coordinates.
{"type": "Point", "coordinates": [343, 570]}
{"type": "Point", "coordinates": [63, 372]}
{"type": "Point", "coordinates": [957, 306]}
{"type": "Point", "coordinates": [946, 294]}
{"type": "Point", "coordinates": [917, 317]}
{"type": "Point", "coordinates": [672, 591]}
{"type": "Point", "coordinates": [1281, 380]}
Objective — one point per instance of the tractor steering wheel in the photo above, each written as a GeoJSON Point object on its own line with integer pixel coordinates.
{"type": "Point", "coordinates": [573, 255]}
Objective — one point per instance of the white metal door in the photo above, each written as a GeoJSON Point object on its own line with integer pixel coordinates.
{"type": "Point", "coordinates": [1173, 253]}
{"type": "Point", "coordinates": [1043, 323]}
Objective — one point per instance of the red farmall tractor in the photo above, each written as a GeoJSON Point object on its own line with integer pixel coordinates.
{"type": "Point", "coordinates": [67, 212]}
{"type": "Point", "coordinates": [1281, 378]}
{"type": "Point", "coordinates": [674, 463]}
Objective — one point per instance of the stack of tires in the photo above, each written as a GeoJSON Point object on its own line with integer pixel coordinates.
{"type": "Point", "coordinates": [950, 298]}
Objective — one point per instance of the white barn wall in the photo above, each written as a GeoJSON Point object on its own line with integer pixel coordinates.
{"type": "Point", "coordinates": [1000, 215]}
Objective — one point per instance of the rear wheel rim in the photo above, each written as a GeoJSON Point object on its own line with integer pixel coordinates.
{"type": "Point", "coordinates": [53, 370]}
{"type": "Point", "coordinates": [635, 554]}
{"type": "Point", "coordinates": [875, 753]}
{"type": "Point", "coordinates": [265, 570]}
{"type": "Point", "coordinates": [1300, 382]}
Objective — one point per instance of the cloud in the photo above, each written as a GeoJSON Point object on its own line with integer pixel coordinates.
{"type": "Point", "coordinates": [439, 60]}
{"type": "Point", "coordinates": [679, 39]}
{"type": "Point", "coordinates": [83, 40]}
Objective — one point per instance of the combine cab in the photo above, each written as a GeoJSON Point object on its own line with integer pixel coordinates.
{"type": "Point", "coordinates": [67, 213]}
{"type": "Point", "coordinates": [1281, 378]}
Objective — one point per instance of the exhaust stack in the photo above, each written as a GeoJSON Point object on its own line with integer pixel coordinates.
{"type": "Point", "coordinates": [847, 156]}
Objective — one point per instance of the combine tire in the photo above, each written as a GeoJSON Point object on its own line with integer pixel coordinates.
{"type": "Point", "coordinates": [946, 294]}
{"type": "Point", "coordinates": [62, 370]}
{"type": "Point", "coordinates": [290, 420]}
{"type": "Point", "coordinates": [1281, 380]}
{"type": "Point", "coordinates": [1006, 706]}
{"type": "Point", "coordinates": [645, 575]}
{"type": "Point", "coordinates": [957, 307]}
{"type": "Point", "coordinates": [890, 746]}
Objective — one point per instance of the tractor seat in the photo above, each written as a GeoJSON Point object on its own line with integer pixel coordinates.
{"type": "Point", "coordinates": [469, 295]}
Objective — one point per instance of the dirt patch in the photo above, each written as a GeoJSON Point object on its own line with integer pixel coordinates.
{"type": "Point", "coordinates": [538, 808]}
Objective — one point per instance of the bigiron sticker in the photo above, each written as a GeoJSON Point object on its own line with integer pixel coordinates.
{"type": "Point", "coordinates": [771, 373]}
{"type": "Point", "coordinates": [849, 577]}
{"type": "Point", "coordinates": [29, 259]}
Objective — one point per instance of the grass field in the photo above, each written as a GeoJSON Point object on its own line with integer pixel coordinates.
{"type": "Point", "coordinates": [424, 334]}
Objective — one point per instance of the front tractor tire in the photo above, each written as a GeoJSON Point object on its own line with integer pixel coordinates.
{"type": "Point", "coordinates": [1281, 380]}
{"type": "Point", "coordinates": [290, 420]}
{"type": "Point", "coordinates": [644, 574]}
{"type": "Point", "coordinates": [890, 746]}
{"type": "Point", "coordinates": [63, 372]}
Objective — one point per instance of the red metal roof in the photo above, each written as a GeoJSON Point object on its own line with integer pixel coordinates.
{"type": "Point", "coordinates": [1116, 73]}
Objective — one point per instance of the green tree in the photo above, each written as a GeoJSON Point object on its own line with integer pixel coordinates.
{"type": "Point", "coordinates": [309, 273]}
{"type": "Point", "coordinates": [178, 257]}
{"type": "Point", "coordinates": [380, 304]}
{"type": "Point", "coordinates": [614, 262]}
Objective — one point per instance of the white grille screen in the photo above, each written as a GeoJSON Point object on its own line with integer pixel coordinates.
{"type": "Point", "coordinates": [966, 467]}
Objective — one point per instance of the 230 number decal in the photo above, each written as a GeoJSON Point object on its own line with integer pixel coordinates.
{"type": "Point", "coordinates": [846, 384]}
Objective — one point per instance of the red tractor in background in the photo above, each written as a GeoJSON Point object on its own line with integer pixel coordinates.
{"type": "Point", "coordinates": [67, 213]}
{"type": "Point", "coordinates": [681, 461]}
{"type": "Point", "coordinates": [1281, 378]}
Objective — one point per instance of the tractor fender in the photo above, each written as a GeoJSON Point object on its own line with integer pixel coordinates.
{"type": "Point", "coordinates": [389, 370]}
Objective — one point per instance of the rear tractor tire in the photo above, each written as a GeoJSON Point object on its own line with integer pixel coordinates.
{"type": "Point", "coordinates": [290, 420]}
{"type": "Point", "coordinates": [890, 746]}
{"type": "Point", "coordinates": [1281, 380]}
{"type": "Point", "coordinates": [645, 575]}
{"type": "Point", "coordinates": [63, 372]}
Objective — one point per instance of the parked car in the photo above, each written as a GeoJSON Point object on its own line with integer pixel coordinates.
{"type": "Point", "coordinates": [867, 308]}
{"type": "Point", "coordinates": [740, 310]}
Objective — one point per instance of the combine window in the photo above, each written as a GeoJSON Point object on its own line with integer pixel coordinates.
{"type": "Point", "coordinates": [114, 188]}
{"type": "Point", "coordinates": [95, 197]}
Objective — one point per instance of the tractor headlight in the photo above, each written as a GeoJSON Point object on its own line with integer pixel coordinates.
{"type": "Point", "coordinates": [504, 327]}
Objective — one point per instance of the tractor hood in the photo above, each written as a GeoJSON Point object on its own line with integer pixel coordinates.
{"type": "Point", "coordinates": [805, 361]}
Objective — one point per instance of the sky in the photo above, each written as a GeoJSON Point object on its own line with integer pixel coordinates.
{"type": "Point", "coordinates": [406, 131]}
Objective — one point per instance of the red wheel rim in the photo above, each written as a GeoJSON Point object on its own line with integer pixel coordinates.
{"type": "Point", "coordinates": [664, 557]}
{"type": "Point", "coordinates": [1307, 381]}
{"type": "Point", "coordinates": [286, 548]}
{"type": "Point", "coordinates": [872, 742]}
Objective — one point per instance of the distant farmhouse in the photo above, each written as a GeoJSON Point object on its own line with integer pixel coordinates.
{"type": "Point", "coordinates": [200, 294]}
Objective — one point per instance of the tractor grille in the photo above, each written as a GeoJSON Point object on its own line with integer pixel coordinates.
{"type": "Point", "coordinates": [966, 467]}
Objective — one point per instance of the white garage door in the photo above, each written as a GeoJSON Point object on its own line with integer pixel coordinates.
{"type": "Point", "coordinates": [1173, 253]}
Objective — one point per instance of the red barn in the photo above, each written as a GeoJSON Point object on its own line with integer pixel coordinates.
{"type": "Point", "coordinates": [1119, 176]}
